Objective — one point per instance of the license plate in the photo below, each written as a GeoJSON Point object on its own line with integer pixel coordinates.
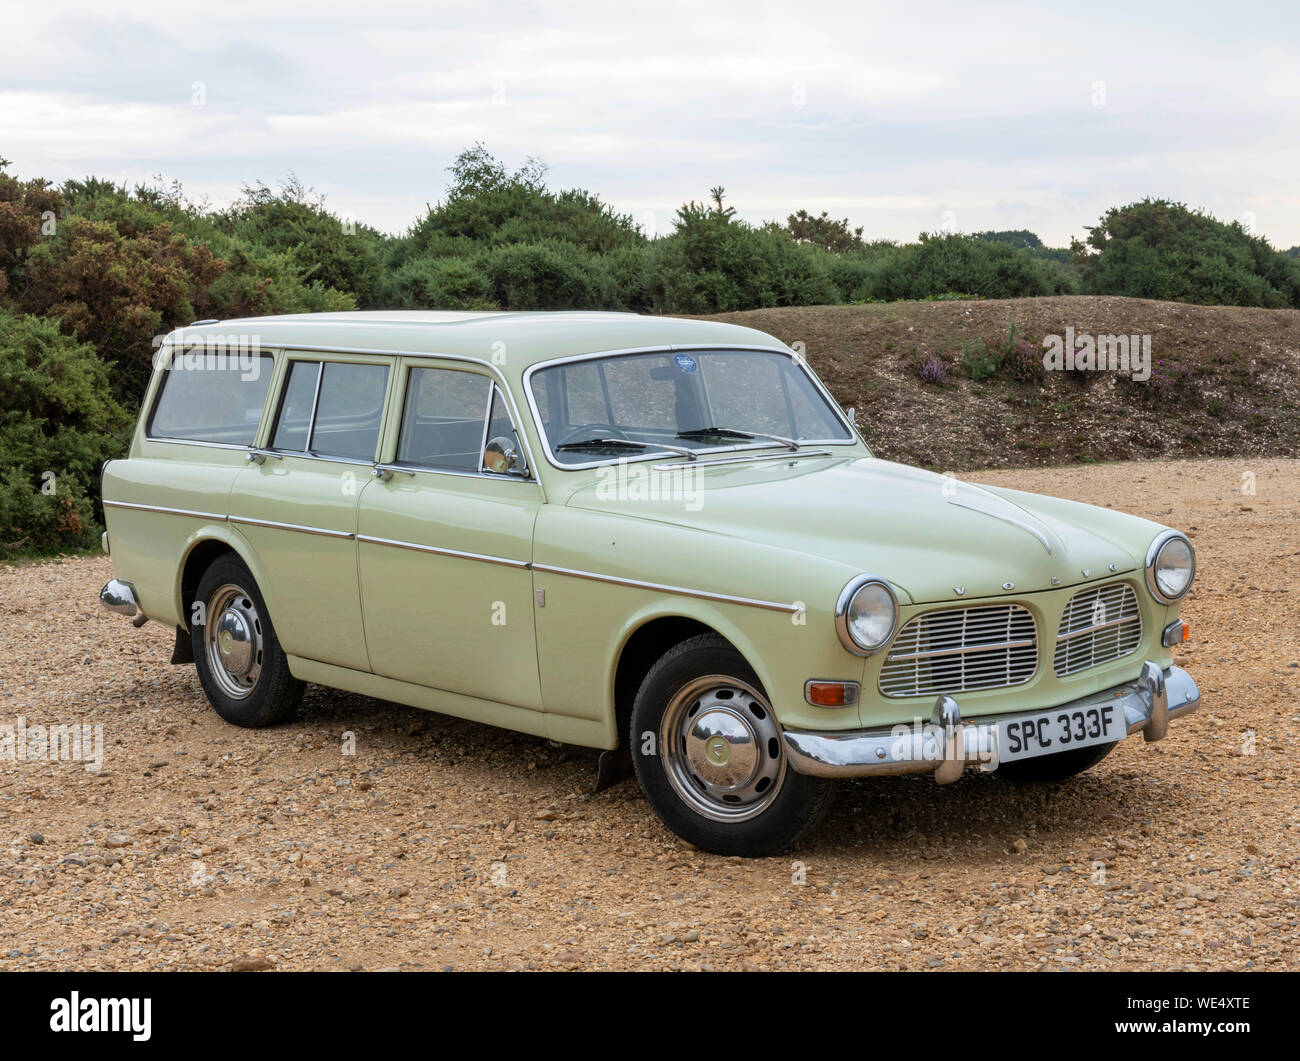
{"type": "Point", "coordinates": [1059, 730]}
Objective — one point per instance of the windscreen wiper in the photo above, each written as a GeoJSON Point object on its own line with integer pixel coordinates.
{"type": "Point", "coordinates": [626, 443]}
{"type": "Point", "coordinates": [731, 432]}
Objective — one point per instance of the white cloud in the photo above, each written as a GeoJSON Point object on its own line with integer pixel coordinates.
{"type": "Point", "coordinates": [1009, 115]}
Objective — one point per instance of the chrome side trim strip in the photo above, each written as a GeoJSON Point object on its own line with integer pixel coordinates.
{"type": "Point", "coordinates": [680, 591]}
{"type": "Point", "coordinates": [273, 525]}
{"type": "Point", "coordinates": [165, 511]}
{"type": "Point", "coordinates": [500, 561]}
{"type": "Point", "coordinates": [482, 558]}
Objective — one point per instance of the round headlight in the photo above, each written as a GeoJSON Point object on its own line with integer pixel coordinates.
{"type": "Point", "coordinates": [866, 614]}
{"type": "Point", "coordinates": [1171, 564]}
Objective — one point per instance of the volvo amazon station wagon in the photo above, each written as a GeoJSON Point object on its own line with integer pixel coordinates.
{"type": "Point", "coordinates": [661, 538]}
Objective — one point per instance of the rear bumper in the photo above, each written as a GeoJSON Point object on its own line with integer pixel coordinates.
{"type": "Point", "coordinates": [945, 745]}
{"type": "Point", "coordinates": [119, 597]}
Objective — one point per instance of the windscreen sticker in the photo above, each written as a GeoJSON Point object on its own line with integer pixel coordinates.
{"type": "Point", "coordinates": [686, 363]}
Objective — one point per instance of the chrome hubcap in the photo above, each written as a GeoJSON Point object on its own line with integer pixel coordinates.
{"type": "Point", "coordinates": [722, 749]}
{"type": "Point", "coordinates": [233, 641]}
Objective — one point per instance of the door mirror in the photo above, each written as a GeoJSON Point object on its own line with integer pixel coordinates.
{"type": "Point", "coordinates": [503, 456]}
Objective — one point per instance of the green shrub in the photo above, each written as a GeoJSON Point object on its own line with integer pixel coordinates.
{"type": "Point", "coordinates": [439, 283]}
{"type": "Point", "coordinates": [553, 275]}
{"type": "Point", "coordinates": [1158, 249]}
{"type": "Point", "coordinates": [714, 263]}
{"type": "Point", "coordinates": [58, 426]}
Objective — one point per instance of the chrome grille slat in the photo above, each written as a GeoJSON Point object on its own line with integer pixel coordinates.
{"type": "Point", "coordinates": [960, 650]}
{"type": "Point", "coordinates": [1100, 624]}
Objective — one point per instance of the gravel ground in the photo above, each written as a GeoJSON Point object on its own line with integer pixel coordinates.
{"type": "Point", "coordinates": [444, 844]}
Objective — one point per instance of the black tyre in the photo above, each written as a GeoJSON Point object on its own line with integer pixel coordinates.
{"type": "Point", "coordinates": [243, 670]}
{"type": "Point", "coordinates": [1058, 766]}
{"type": "Point", "coordinates": [710, 758]}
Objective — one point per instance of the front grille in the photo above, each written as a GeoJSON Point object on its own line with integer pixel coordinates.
{"type": "Point", "coordinates": [1099, 625]}
{"type": "Point", "coordinates": [985, 647]}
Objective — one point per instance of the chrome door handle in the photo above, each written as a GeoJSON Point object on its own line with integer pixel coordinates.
{"type": "Point", "coordinates": [258, 456]}
{"type": "Point", "coordinates": [384, 472]}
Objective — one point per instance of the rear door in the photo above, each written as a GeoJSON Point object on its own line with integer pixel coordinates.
{"type": "Point", "coordinates": [298, 507]}
{"type": "Point", "coordinates": [445, 541]}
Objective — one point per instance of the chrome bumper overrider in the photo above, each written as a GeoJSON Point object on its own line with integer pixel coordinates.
{"type": "Point", "coordinates": [945, 745]}
{"type": "Point", "coordinates": [119, 597]}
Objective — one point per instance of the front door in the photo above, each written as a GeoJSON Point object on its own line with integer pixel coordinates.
{"type": "Point", "coordinates": [445, 541]}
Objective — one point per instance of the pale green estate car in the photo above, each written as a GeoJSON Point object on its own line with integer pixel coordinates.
{"type": "Point", "coordinates": [657, 537]}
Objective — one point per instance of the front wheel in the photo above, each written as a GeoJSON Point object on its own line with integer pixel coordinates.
{"type": "Point", "coordinates": [710, 758]}
{"type": "Point", "coordinates": [242, 668]}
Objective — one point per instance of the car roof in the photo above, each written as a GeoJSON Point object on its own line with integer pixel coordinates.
{"type": "Point", "coordinates": [525, 338]}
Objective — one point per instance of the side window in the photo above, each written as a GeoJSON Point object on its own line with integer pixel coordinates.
{"type": "Point", "coordinates": [209, 398]}
{"type": "Point", "coordinates": [296, 406]}
{"type": "Point", "coordinates": [442, 422]}
{"type": "Point", "coordinates": [349, 410]}
{"type": "Point", "coordinates": [332, 409]}
{"type": "Point", "coordinates": [458, 421]}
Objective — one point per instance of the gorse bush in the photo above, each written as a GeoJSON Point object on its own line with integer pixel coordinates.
{"type": "Point", "coordinates": [91, 272]}
{"type": "Point", "coordinates": [714, 263]}
{"type": "Point", "coordinates": [1158, 249]}
{"type": "Point", "coordinates": [58, 424]}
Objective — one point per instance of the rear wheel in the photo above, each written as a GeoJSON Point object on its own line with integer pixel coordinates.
{"type": "Point", "coordinates": [710, 757]}
{"type": "Point", "coordinates": [1057, 766]}
{"type": "Point", "coordinates": [243, 670]}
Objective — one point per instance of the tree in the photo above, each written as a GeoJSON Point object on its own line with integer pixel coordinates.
{"type": "Point", "coordinates": [824, 231]}
{"type": "Point", "coordinates": [1160, 249]}
{"type": "Point", "coordinates": [58, 425]}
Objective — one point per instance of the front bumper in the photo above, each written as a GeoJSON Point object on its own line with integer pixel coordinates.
{"type": "Point", "coordinates": [945, 745]}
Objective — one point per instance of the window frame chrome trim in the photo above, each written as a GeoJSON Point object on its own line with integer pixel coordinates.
{"type": "Point", "coordinates": [854, 438]}
{"type": "Point", "coordinates": [493, 372]}
{"type": "Point", "coordinates": [162, 371]}
{"type": "Point", "coordinates": [493, 388]}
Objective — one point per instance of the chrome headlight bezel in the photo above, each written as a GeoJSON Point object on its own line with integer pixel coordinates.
{"type": "Point", "coordinates": [843, 608]}
{"type": "Point", "coordinates": [1153, 559]}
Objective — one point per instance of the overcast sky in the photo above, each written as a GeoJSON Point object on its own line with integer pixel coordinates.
{"type": "Point", "coordinates": [903, 117]}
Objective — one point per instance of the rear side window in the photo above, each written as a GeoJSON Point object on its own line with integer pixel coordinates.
{"type": "Point", "coordinates": [349, 410]}
{"type": "Point", "coordinates": [212, 397]}
{"type": "Point", "coordinates": [331, 409]}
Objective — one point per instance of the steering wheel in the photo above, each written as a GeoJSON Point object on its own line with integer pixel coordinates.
{"type": "Point", "coordinates": [592, 431]}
